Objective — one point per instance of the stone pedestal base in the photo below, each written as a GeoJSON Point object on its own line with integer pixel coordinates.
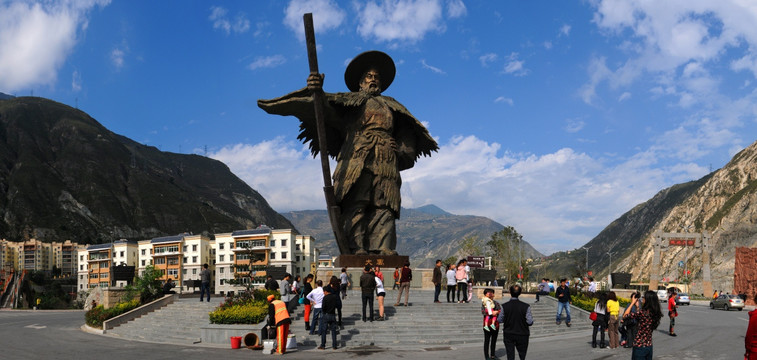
{"type": "Point", "coordinates": [359, 261]}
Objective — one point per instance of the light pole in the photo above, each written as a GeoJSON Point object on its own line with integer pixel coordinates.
{"type": "Point", "coordinates": [587, 260]}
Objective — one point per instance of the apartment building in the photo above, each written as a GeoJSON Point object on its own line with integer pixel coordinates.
{"type": "Point", "coordinates": [65, 257]}
{"type": "Point", "coordinates": [178, 257]}
{"type": "Point", "coordinates": [96, 263]}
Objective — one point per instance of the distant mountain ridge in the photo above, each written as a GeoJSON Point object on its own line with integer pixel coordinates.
{"type": "Point", "coordinates": [425, 234]}
{"type": "Point", "coordinates": [65, 176]}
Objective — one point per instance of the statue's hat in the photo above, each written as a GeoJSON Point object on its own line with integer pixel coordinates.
{"type": "Point", "coordinates": [364, 62]}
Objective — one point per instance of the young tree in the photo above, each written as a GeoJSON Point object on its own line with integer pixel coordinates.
{"type": "Point", "coordinates": [470, 246]}
{"type": "Point", "coordinates": [505, 248]}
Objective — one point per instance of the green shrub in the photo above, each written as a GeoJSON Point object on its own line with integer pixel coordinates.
{"type": "Point", "coordinates": [243, 308]}
{"type": "Point", "coordinates": [96, 316]}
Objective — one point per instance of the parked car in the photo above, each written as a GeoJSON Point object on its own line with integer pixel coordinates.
{"type": "Point", "coordinates": [683, 299]}
{"type": "Point", "coordinates": [727, 302]}
{"type": "Point", "coordinates": [662, 295]}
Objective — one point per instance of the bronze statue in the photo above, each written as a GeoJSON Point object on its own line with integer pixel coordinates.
{"type": "Point", "coordinates": [373, 137]}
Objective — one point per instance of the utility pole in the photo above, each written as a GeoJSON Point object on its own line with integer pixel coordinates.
{"type": "Point", "coordinates": [587, 260]}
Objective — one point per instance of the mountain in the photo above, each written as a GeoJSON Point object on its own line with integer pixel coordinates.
{"type": "Point", "coordinates": [4, 96]}
{"type": "Point", "coordinates": [425, 234]}
{"type": "Point", "coordinates": [65, 176]}
{"type": "Point", "coordinates": [724, 203]}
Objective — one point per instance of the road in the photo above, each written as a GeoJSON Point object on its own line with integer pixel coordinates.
{"type": "Point", "coordinates": [702, 334]}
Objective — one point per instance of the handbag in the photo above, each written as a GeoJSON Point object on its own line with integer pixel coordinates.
{"type": "Point", "coordinates": [593, 316]}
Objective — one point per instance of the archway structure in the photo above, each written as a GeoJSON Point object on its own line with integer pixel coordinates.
{"type": "Point", "coordinates": [664, 241]}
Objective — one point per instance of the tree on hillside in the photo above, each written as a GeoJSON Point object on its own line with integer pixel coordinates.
{"type": "Point", "coordinates": [470, 246]}
{"type": "Point", "coordinates": [505, 248]}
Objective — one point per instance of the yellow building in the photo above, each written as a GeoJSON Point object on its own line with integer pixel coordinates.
{"type": "Point", "coordinates": [178, 257]}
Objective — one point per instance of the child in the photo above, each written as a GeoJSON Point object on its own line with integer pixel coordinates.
{"type": "Point", "coordinates": [490, 317]}
{"type": "Point", "coordinates": [470, 290]}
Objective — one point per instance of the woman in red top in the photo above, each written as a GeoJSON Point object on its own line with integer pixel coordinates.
{"type": "Point", "coordinates": [647, 320]}
{"type": "Point", "coordinates": [750, 340]}
{"type": "Point", "coordinates": [672, 312]}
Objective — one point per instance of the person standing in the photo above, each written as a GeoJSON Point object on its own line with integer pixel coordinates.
{"type": "Point", "coordinates": [491, 323]}
{"type": "Point", "coordinates": [672, 311]}
{"type": "Point", "coordinates": [515, 319]}
{"type": "Point", "coordinates": [306, 289]}
{"type": "Point", "coordinates": [592, 286]}
{"type": "Point", "coordinates": [647, 320]}
{"type": "Point", "coordinates": [451, 282]}
{"type": "Point", "coordinates": [278, 316]}
{"type": "Point", "coordinates": [406, 275]}
{"type": "Point", "coordinates": [630, 324]}
{"type": "Point", "coordinates": [380, 295]}
{"type": "Point", "coordinates": [286, 290]}
{"type": "Point", "coordinates": [436, 278]}
{"type": "Point", "coordinates": [613, 308]}
{"type": "Point", "coordinates": [750, 339]}
{"type": "Point", "coordinates": [271, 284]}
{"type": "Point", "coordinates": [542, 289]}
{"type": "Point", "coordinates": [462, 281]}
{"type": "Point", "coordinates": [396, 278]}
{"type": "Point", "coordinates": [330, 303]}
{"type": "Point", "coordinates": [316, 302]}
{"type": "Point", "coordinates": [378, 273]}
{"type": "Point", "coordinates": [344, 284]}
{"type": "Point", "coordinates": [600, 324]}
{"type": "Point", "coordinates": [205, 282]}
{"type": "Point", "coordinates": [367, 287]}
{"type": "Point", "coordinates": [563, 302]}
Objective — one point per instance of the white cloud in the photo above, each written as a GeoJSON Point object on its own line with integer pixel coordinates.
{"type": "Point", "coordinates": [456, 9]}
{"type": "Point", "coordinates": [239, 24]}
{"type": "Point", "coordinates": [267, 62]}
{"type": "Point", "coordinates": [432, 68]}
{"type": "Point", "coordinates": [401, 20]}
{"type": "Point", "coordinates": [502, 99]}
{"type": "Point", "coordinates": [76, 81]}
{"type": "Point", "coordinates": [574, 125]}
{"type": "Point", "coordinates": [117, 58]}
{"type": "Point", "coordinates": [327, 15]}
{"type": "Point", "coordinates": [624, 96]}
{"type": "Point", "coordinates": [598, 72]}
{"type": "Point", "coordinates": [515, 66]}
{"type": "Point", "coordinates": [547, 45]}
{"type": "Point", "coordinates": [557, 200]}
{"type": "Point", "coordinates": [487, 58]}
{"type": "Point", "coordinates": [565, 30]}
{"type": "Point", "coordinates": [36, 38]}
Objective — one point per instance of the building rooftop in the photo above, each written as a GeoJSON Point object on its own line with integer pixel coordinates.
{"type": "Point", "coordinates": [262, 230]}
{"type": "Point", "coordinates": [167, 239]}
{"type": "Point", "coordinates": [99, 246]}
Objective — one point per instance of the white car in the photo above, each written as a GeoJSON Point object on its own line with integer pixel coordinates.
{"type": "Point", "coordinates": [662, 295]}
{"type": "Point", "coordinates": [683, 298]}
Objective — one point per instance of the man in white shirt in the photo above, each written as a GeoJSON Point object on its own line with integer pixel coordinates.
{"type": "Point", "coordinates": [592, 285]}
{"type": "Point", "coordinates": [316, 302]}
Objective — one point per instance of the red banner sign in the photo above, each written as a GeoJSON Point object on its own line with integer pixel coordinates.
{"type": "Point", "coordinates": [681, 242]}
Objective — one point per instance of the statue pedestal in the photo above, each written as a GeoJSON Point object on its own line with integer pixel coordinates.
{"type": "Point", "coordinates": [359, 261]}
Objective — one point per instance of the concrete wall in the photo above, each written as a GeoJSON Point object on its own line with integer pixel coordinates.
{"type": "Point", "coordinates": [421, 277]}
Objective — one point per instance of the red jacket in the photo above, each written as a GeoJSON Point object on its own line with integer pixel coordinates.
{"type": "Point", "coordinates": [750, 340]}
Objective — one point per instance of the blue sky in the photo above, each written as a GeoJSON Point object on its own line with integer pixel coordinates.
{"type": "Point", "coordinates": [554, 117]}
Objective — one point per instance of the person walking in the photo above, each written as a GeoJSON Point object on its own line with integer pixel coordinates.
{"type": "Point", "coordinates": [515, 320]}
{"type": "Point", "coordinates": [278, 316]}
{"type": "Point", "coordinates": [330, 303]}
{"type": "Point", "coordinates": [613, 308]}
{"type": "Point", "coordinates": [406, 275]}
{"type": "Point", "coordinates": [647, 320]}
{"type": "Point", "coordinates": [542, 288]}
{"type": "Point", "coordinates": [345, 283]}
{"type": "Point", "coordinates": [380, 295]}
{"type": "Point", "coordinates": [367, 287]}
{"type": "Point", "coordinates": [286, 291]}
{"type": "Point", "coordinates": [600, 324]}
{"type": "Point", "coordinates": [672, 311]}
{"type": "Point", "coordinates": [563, 302]}
{"type": "Point", "coordinates": [490, 309]}
{"type": "Point", "coordinates": [316, 302]}
{"type": "Point", "coordinates": [462, 281]}
{"type": "Point", "coordinates": [436, 279]}
{"type": "Point", "coordinates": [306, 289]}
{"type": "Point", "coordinates": [451, 282]}
{"type": "Point", "coordinates": [750, 339]}
{"type": "Point", "coordinates": [205, 282]}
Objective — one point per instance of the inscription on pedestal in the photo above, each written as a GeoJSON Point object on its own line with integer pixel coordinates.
{"type": "Point", "coordinates": [359, 261]}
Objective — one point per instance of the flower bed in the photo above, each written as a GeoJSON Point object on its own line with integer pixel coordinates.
{"type": "Point", "coordinates": [96, 316]}
{"type": "Point", "coordinates": [243, 308]}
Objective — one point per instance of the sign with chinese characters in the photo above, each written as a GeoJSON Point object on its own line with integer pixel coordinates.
{"type": "Point", "coordinates": [475, 261]}
{"type": "Point", "coordinates": [681, 242]}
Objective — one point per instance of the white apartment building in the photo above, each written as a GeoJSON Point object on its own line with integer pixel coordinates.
{"type": "Point", "coordinates": [179, 257]}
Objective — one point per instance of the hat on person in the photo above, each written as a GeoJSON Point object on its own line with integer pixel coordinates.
{"type": "Point", "coordinates": [270, 298]}
{"type": "Point", "coordinates": [378, 60]}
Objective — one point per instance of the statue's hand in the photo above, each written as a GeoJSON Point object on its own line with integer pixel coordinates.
{"type": "Point", "coordinates": [315, 81]}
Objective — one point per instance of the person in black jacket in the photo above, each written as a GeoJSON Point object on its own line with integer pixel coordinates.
{"type": "Point", "coordinates": [271, 284]}
{"type": "Point", "coordinates": [515, 318]}
{"type": "Point", "coordinates": [562, 293]}
{"type": "Point", "coordinates": [331, 303]}
{"type": "Point", "coordinates": [368, 287]}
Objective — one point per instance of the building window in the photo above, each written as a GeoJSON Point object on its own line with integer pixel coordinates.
{"type": "Point", "coordinates": [283, 242]}
{"type": "Point", "coordinates": [184, 271]}
{"type": "Point", "coordinates": [173, 272]}
{"type": "Point", "coordinates": [220, 246]}
{"type": "Point", "coordinates": [185, 248]}
{"type": "Point", "coordinates": [143, 251]}
{"type": "Point", "coordinates": [194, 271]}
{"type": "Point", "coordinates": [194, 247]}
{"type": "Point", "coordinates": [160, 261]}
{"type": "Point", "coordinates": [220, 257]}
{"type": "Point", "coordinates": [194, 259]}
{"type": "Point", "coordinates": [273, 242]}
{"type": "Point", "coordinates": [297, 257]}
{"type": "Point", "coordinates": [122, 254]}
{"type": "Point", "coordinates": [297, 247]}
{"type": "Point", "coordinates": [220, 270]}
{"type": "Point", "coordinates": [283, 255]}
{"type": "Point", "coordinates": [273, 256]}
{"type": "Point", "coordinates": [81, 257]}
{"type": "Point", "coordinates": [185, 259]}
{"type": "Point", "coordinates": [231, 257]}
{"type": "Point", "coordinates": [81, 267]}
{"type": "Point", "coordinates": [143, 262]}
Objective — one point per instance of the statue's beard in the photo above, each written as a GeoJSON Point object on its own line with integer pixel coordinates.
{"type": "Point", "coordinates": [371, 90]}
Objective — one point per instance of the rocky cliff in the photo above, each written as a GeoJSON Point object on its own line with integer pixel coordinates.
{"type": "Point", "coordinates": [65, 176]}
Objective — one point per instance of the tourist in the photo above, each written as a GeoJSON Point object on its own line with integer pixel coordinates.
{"type": "Point", "coordinates": [515, 319]}
{"type": "Point", "coordinates": [330, 303]}
{"type": "Point", "coordinates": [168, 286]}
{"type": "Point", "coordinates": [286, 290]}
{"type": "Point", "coordinates": [396, 278]}
{"type": "Point", "coordinates": [367, 287]}
{"type": "Point", "coordinates": [335, 284]}
{"type": "Point", "coordinates": [436, 279]}
{"type": "Point", "coordinates": [613, 308]}
{"type": "Point", "coordinates": [451, 282]}
{"type": "Point", "coordinates": [316, 302]}
{"type": "Point", "coordinates": [379, 274]}
{"type": "Point", "coordinates": [750, 340]}
{"type": "Point", "coordinates": [600, 324]}
{"type": "Point", "coordinates": [672, 311]}
{"type": "Point", "coordinates": [490, 310]}
{"type": "Point", "coordinates": [306, 289]}
{"type": "Point", "coordinates": [296, 285]}
{"type": "Point", "coordinates": [344, 283]}
{"type": "Point", "coordinates": [461, 276]}
{"type": "Point", "coordinates": [406, 275]}
{"type": "Point", "coordinates": [592, 286]}
{"type": "Point", "coordinates": [205, 282]}
{"type": "Point", "coordinates": [630, 325]}
{"type": "Point", "coordinates": [715, 295]}
{"type": "Point", "coordinates": [647, 320]}
{"type": "Point", "coordinates": [542, 288]}
{"type": "Point", "coordinates": [278, 316]}
{"type": "Point", "coordinates": [380, 295]}
{"type": "Point", "coordinates": [563, 302]}
{"type": "Point", "coordinates": [271, 284]}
